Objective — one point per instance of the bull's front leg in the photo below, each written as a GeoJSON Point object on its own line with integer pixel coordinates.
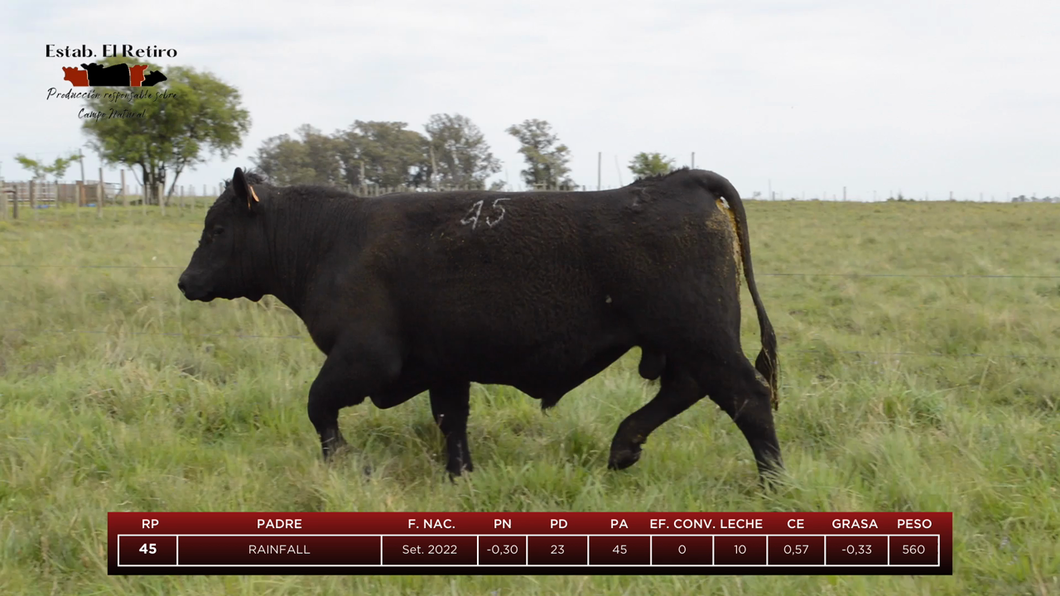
{"type": "Point", "coordinates": [353, 370]}
{"type": "Point", "coordinates": [450, 405]}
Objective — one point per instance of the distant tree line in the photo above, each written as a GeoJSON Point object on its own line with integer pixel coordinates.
{"type": "Point", "coordinates": [1026, 199]}
{"type": "Point", "coordinates": [451, 152]}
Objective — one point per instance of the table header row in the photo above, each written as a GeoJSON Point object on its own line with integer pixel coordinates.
{"type": "Point", "coordinates": [395, 523]}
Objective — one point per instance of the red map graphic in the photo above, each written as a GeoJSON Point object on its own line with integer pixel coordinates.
{"type": "Point", "coordinates": [76, 76]}
{"type": "Point", "coordinates": [136, 74]}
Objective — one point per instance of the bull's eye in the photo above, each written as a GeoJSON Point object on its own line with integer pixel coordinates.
{"type": "Point", "coordinates": [218, 231]}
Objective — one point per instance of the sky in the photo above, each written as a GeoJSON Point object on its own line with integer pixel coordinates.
{"type": "Point", "coordinates": [799, 98]}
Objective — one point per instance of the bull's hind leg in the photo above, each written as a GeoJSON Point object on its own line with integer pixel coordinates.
{"type": "Point", "coordinates": [678, 391]}
{"type": "Point", "coordinates": [450, 405]}
{"type": "Point", "coordinates": [739, 390]}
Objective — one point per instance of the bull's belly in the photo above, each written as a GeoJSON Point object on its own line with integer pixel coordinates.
{"type": "Point", "coordinates": [545, 369]}
{"type": "Point", "coordinates": [540, 375]}
{"type": "Point", "coordinates": [559, 358]}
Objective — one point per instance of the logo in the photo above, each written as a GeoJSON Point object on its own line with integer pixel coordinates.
{"type": "Point", "coordinates": [118, 75]}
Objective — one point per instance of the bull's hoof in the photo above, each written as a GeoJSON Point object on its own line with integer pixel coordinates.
{"type": "Point", "coordinates": [332, 448]}
{"type": "Point", "coordinates": [458, 469]}
{"type": "Point", "coordinates": [622, 459]}
{"type": "Point", "coordinates": [771, 476]}
{"type": "Point", "coordinates": [329, 455]}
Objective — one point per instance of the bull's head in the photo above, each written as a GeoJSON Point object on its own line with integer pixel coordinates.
{"type": "Point", "coordinates": [229, 262]}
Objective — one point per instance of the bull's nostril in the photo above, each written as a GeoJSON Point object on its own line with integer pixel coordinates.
{"type": "Point", "coordinates": [180, 286]}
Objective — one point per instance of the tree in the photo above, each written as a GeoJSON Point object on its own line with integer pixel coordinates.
{"type": "Point", "coordinates": [387, 153]}
{"type": "Point", "coordinates": [284, 160]}
{"type": "Point", "coordinates": [546, 162]}
{"type": "Point", "coordinates": [311, 159]}
{"type": "Point", "coordinates": [644, 164]}
{"type": "Point", "coordinates": [57, 168]}
{"type": "Point", "coordinates": [461, 155]}
{"type": "Point", "coordinates": [172, 126]}
{"type": "Point", "coordinates": [38, 168]}
{"type": "Point", "coordinates": [61, 164]}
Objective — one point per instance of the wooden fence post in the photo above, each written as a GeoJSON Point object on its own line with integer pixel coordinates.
{"type": "Point", "coordinates": [80, 197]}
{"type": "Point", "coordinates": [33, 198]}
{"type": "Point", "coordinates": [143, 199]}
{"type": "Point", "coordinates": [181, 207]}
{"type": "Point", "coordinates": [102, 195]}
{"type": "Point", "coordinates": [162, 197]}
{"type": "Point", "coordinates": [3, 200]}
{"type": "Point", "coordinates": [124, 197]}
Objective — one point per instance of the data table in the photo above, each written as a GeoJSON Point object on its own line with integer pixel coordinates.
{"type": "Point", "coordinates": [184, 543]}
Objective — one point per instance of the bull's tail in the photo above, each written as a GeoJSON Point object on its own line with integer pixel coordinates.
{"type": "Point", "coordinates": [767, 362]}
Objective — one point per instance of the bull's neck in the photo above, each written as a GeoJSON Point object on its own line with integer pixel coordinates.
{"type": "Point", "coordinates": [302, 235]}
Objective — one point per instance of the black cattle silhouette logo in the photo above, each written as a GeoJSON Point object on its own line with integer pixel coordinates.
{"type": "Point", "coordinates": [117, 75]}
{"type": "Point", "coordinates": [153, 78]}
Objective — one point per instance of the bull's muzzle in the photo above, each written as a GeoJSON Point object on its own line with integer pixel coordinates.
{"type": "Point", "coordinates": [189, 288]}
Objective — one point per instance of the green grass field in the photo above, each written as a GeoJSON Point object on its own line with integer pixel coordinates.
{"type": "Point", "coordinates": [902, 391]}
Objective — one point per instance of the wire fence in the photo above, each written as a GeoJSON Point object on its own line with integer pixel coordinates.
{"type": "Point", "coordinates": [42, 194]}
{"type": "Point", "coordinates": [805, 274]}
{"type": "Point", "coordinates": [38, 195]}
{"type": "Point", "coordinates": [151, 333]}
{"type": "Point", "coordinates": [242, 336]}
{"type": "Point", "coordinates": [1021, 357]}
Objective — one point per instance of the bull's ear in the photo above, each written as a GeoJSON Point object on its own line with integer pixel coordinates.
{"type": "Point", "coordinates": [244, 192]}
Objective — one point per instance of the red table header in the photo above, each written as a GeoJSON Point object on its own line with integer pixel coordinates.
{"type": "Point", "coordinates": [374, 523]}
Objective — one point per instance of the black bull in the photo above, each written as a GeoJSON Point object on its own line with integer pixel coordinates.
{"type": "Point", "coordinates": [417, 292]}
